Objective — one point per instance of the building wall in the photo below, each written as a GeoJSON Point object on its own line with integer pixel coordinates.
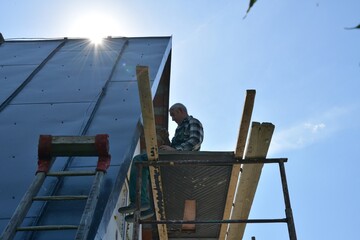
{"type": "Point", "coordinates": [69, 87]}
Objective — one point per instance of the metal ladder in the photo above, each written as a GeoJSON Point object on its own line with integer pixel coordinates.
{"type": "Point", "coordinates": [49, 148]}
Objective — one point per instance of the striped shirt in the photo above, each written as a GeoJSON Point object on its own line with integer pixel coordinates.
{"type": "Point", "coordinates": [188, 135]}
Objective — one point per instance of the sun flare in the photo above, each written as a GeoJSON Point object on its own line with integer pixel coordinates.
{"type": "Point", "coordinates": [94, 26]}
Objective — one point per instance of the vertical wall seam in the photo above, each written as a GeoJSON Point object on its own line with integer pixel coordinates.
{"type": "Point", "coordinates": [104, 88]}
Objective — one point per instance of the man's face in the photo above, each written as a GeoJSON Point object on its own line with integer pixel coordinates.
{"type": "Point", "coordinates": [176, 115]}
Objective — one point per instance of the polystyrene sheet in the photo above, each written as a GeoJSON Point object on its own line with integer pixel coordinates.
{"type": "Point", "coordinates": [148, 53]}
{"type": "Point", "coordinates": [68, 78]}
{"type": "Point", "coordinates": [11, 77]}
{"type": "Point", "coordinates": [22, 53]}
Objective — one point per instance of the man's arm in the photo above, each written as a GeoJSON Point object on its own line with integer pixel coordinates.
{"type": "Point", "coordinates": [166, 148]}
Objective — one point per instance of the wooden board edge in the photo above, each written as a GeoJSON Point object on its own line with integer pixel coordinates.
{"type": "Point", "coordinates": [259, 142]}
{"type": "Point", "coordinates": [147, 109]}
{"type": "Point", "coordinates": [239, 151]}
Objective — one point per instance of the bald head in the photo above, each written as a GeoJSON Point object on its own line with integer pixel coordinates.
{"type": "Point", "coordinates": [178, 112]}
{"type": "Point", "coordinates": [178, 106]}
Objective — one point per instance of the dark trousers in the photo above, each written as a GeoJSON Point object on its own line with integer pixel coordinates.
{"type": "Point", "coordinates": [144, 180]}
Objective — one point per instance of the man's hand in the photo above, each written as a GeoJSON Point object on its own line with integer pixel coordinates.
{"type": "Point", "coordinates": [166, 148]}
{"type": "Point", "coordinates": [162, 136]}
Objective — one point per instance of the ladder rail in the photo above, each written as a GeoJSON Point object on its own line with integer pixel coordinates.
{"type": "Point", "coordinates": [59, 175]}
{"type": "Point", "coordinates": [89, 210]}
{"type": "Point", "coordinates": [23, 207]}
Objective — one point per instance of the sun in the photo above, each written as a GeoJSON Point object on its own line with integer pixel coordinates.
{"type": "Point", "coordinates": [94, 26]}
{"type": "Point", "coordinates": [96, 40]}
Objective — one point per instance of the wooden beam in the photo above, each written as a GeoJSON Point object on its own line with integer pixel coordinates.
{"type": "Point", "coordinates": [245, 123]}
{"type": "Point", "coordinates": [59, 146]}
{"type": "Point", "coordinates": [147, 109]}
{"type": "Point", "coordinates": [73, 145]}
{"type": "Point", "coordinates": [258, 146]}
{"type": "Point", "coordinates": [239, 152]}
{"type": "Point", "coordinates": [189, 215]}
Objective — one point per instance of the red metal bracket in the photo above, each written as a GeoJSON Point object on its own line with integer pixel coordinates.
{"type": "Point", "coordinates": [102, 146]}
{"type": "Point", "coordinates": [44, 153]}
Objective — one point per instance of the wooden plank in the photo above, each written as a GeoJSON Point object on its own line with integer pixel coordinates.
{"type": "Point", "coordinates": [73, 146]}
{"type": "Point", "coordinates": [239, 152]}
{"type": "Point", "coordinates": [259, 142]}
{"type": "Point", "coordinates": [189, 215]}
{"type": "Point", "coordinates": [245, 123]}
{"type": "Point", "coordinates": [73, 140]}
{"type": "Point", "coordinates": [147, 109]}
{"type": "Point", "coordinates": [147, 234]}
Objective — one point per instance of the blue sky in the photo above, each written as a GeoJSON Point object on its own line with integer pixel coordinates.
{"type": "Point", "coordinates": [303, 64]}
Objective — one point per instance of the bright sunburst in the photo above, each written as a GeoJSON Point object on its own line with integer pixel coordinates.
{"type": "Point", "coordinates": [94, 26]}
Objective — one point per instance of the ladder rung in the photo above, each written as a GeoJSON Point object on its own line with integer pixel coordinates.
{"type": "Point", "coordinates": [71, 173]}
{"type": "Point", "coordinates": [48, 228]}
{"type": "Point", "coordinates": [60, 198]}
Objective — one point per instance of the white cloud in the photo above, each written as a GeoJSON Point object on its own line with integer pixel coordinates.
{"type": "Point", "coordinates": [308, 132]}
{"type": "Point", "coordinates": [314, 127]}
{"type": "Point", "coordinates": [297, 136]}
